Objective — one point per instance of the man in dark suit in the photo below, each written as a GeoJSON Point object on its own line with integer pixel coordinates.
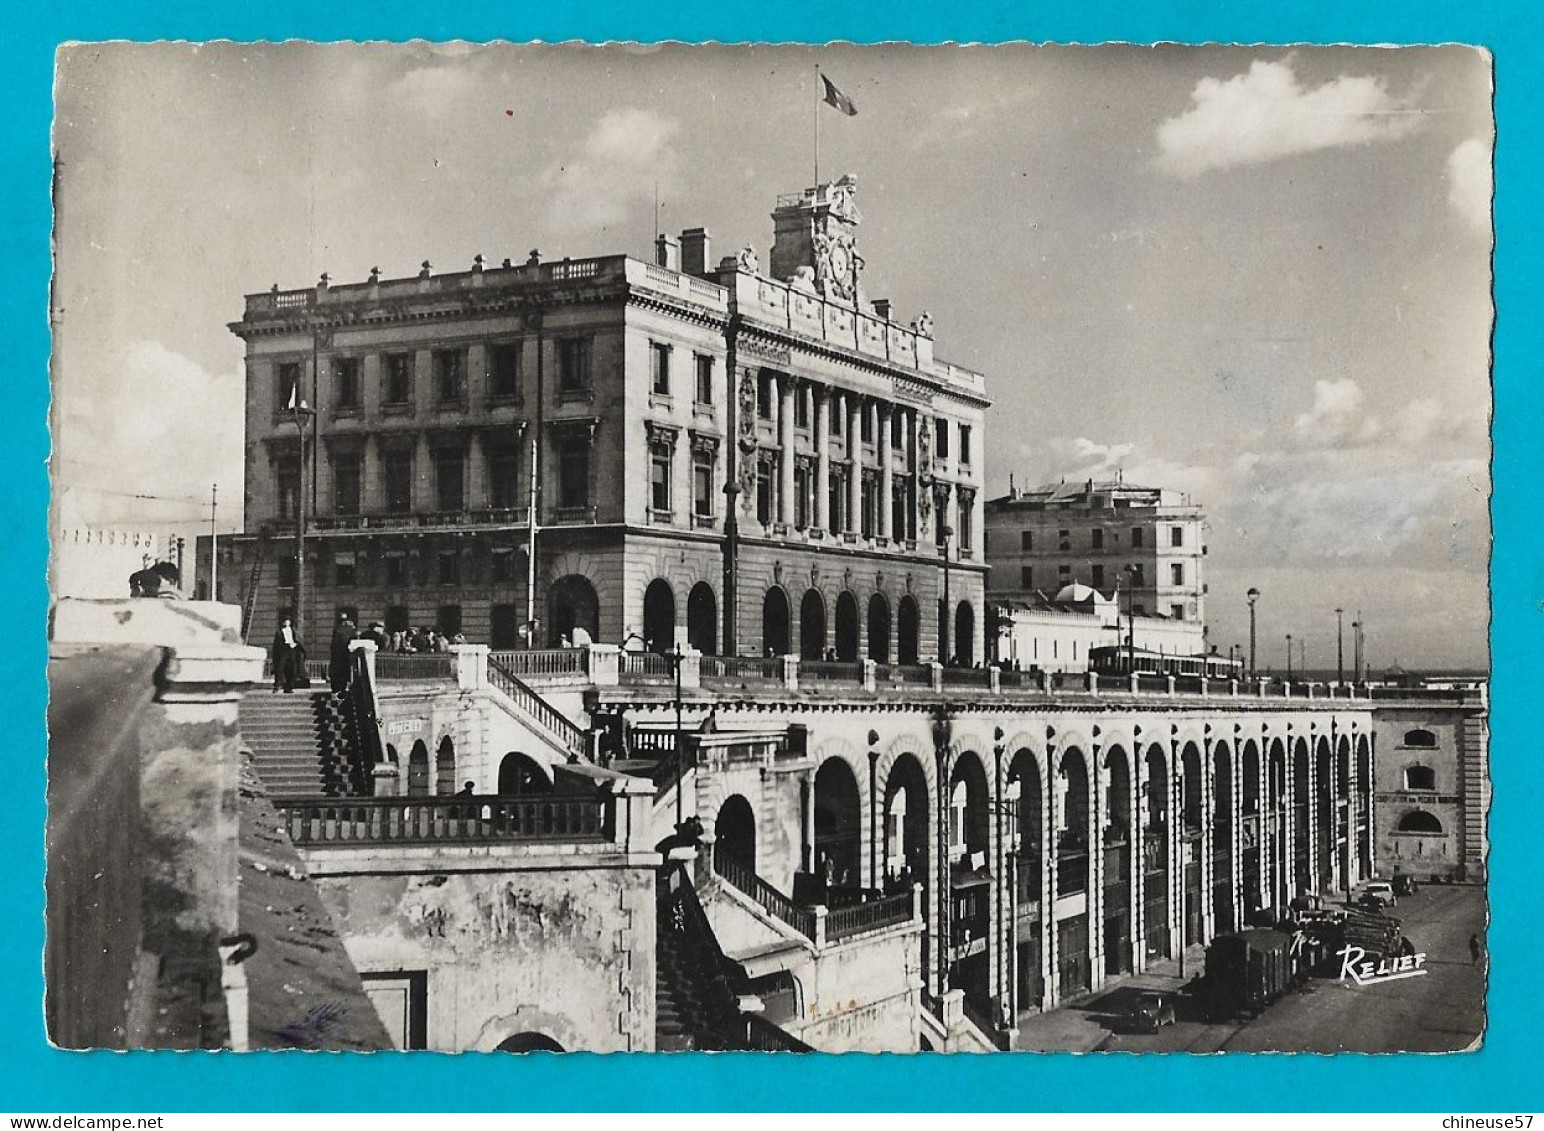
{"type": "Point", "coordinates": [338, 661]}
{"type": "Point", "coordinates": [286, 656]}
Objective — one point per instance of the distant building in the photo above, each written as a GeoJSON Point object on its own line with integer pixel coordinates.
{"type": "Point", "coordinates": [750, 459]}
{"type": "Point", "coordinates": [96, 563]}
{"type": "Point", "coordinates": [1056, 633]}
{"type": "Point", "coordinates": [1092, 532]}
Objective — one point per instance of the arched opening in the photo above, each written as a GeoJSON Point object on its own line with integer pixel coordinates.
{"type": "Point", "coordinates": [504, 623]}
{"type": "Point", "coordinates": [907, 858]}
{"type": "Point", "coordinates": [1251, 835]}
{"type": "Point", "coordinates": [448, 621]}
{"type": "Point", "coordinates": [838, 826]}
{"type": "Point", "coordinates": [1420, 737]}
{"type": "Point", "coordinates": [1071, 827]}
{"type": "Point", "coordinates": [1302, 861]}
{"type": "Point", "coordinates": [1277, 804]}
{"type": "Point", "coordinates": [1223, 917]}
{"type": "Point", "coordinates": [965, 634]}
{"type": "Point", "coordinates": [529, 1042]}
{"type": "Point", "coordinates": [734, 831]}
{"type": "Point", "coordinates": [519, 774]}
{"type": "Point", "coordinates": [1117, 862]}
{"type": "Point", "coordinates": [572, 604]}
{"type": "Point", "coordinates": [908, 631]}
{"type": "Point", "coordinates": [846, 627]}
{"type": "Point", "coordinates": [659, 616]}
{"type": "Point", "coordinates": [1324, 815]}
{"type": "Point", "coordinates": [970, 879]}
{"type": "Point", "coordinates": [702, 619]}
{"type": "Point", "coordinates": [1191, 895]}
{"type": "Point", "coordinates": [418, 770]}
{"type": "Point", "coordinates": [879, 629]}
{"type": "Point", "coordinates": [445, 768]}
{"type": "Point", "coordinates": [1364, 807]}
{"type": "Point", "coordinates": [1155, 856]}
{"type": "Point", "coordinates": [812, 626]}
{"type": "Point", "coordinates": [1419, 821]}
{"type": "Point", "coordinates": [775, 623]}
{"type": "Point", "coordinates": [1029, 898]}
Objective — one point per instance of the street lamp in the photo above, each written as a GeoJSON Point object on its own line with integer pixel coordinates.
{"type": "Point", "coordinates": [1289, 657]}
{"type": "Point", "coordinates": [1131, 620]}
{"type": "Point", "coordinates": [1253, 595]}
{"type": "Point", "coordinates": [300, 413]}
{"type": "Point", "coordinates": [944, 654]}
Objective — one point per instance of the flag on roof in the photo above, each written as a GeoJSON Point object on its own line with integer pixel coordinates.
{"type": "Point", "coordinates": [836, 98]}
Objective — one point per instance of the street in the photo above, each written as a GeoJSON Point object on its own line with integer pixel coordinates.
{"type": "Point", "coordinates": [1441, 1011]}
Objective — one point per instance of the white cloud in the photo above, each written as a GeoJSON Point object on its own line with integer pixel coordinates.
{"type": "Point", "coordinates": [1266, 114]}
{"type": "Point", "coordinates": [1338, 417]}
{"type": "Point", "coordinates": [1469, 181]}
{"type": "Point", "coordinates": [435, 90]}
{"type": "Point", "coordinates": [627, 153]}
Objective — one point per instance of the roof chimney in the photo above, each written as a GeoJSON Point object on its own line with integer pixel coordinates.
{"type": "Point", "coordinates": [882, 308]}
{"type": "Point", "coordinates": [667, 252]}
{"type": "Point", "coordinates": [696, 244]}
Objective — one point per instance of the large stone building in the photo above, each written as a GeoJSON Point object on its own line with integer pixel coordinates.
{"type": "Point", "coordinates": [759, 461]}
{"type": "Point", "coordinates": [1094, 532]}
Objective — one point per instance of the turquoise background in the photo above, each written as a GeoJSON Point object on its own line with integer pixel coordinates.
{"type": "Point", "coordinates": [1504, 1075]}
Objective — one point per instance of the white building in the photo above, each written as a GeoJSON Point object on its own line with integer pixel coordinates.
{"type": "Point", "coordinates": [1056, 633]}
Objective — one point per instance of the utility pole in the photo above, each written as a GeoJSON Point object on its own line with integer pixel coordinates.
{"type": "Point", "coordinates": [1289, 657]}
{"type": "Point", "coordinates": [1340, 646]}
{"type": "Point", "coordinates": [1253, 595]}
{"type": "Point", "coordinates": [214, 548]}
{"type": "Point", "coordinates": [530, 553]}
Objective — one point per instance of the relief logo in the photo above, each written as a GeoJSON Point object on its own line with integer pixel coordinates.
{"type": "Point", "coordinates": [1355, 965]}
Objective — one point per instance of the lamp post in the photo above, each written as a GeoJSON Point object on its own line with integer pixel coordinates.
{"type": "Point", "coordinates": [1131, 620]}
{"type": "Point", "coordinates": [300, 412]}
{"type": "Point", "coordinates": [944, 651]}
{"type": "Point", "coordinates": [1289, 657]}
{"type": "Point", "coordinates": [1340, 646]}
{"type": "Point", "coordinates": [942, 731]}
{"type": "Point", "coordinates": [1253, 595]}
{"type": "Point", "coordinates": [676, 656]}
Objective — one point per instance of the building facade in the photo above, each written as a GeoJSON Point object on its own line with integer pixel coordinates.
{"type": "Point", "coordinates": [1057, 634]}
{"type": "Point", "coordinates": [1109, 534]}
{"type": "Point", "coordinates": [753, 462]}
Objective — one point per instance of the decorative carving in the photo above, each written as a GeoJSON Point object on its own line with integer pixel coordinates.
{"type": "Point", "coordinates": [908, 581]}
{"type": "Point", "coordinates": [745, 260]}
{"type": "Point", "coordinates": [803, 279]}
{"type": "Point", "coordinates": [844, 199]}
{"type": "Point", "coordinates": [879, 580]}
{"type": "Point", "coordinates": [777, 571]}
{"type": "Point", "coordinates": [847, 578]}
{"type": "Point", "coordinates": [837, 263]}
{"type": "Point", "coordinates": [924, 325]}
{"type": "Point", "coordinates": [815, 575]}
{"type": "Point", "coordinates": [661, 434]}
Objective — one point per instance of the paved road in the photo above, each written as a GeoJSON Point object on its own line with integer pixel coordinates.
{"type": "Point", "coordinates": [1439, 1012]}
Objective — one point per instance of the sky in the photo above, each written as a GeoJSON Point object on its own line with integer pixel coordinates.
{"type": "Point", "coordinates": [1259, 275]}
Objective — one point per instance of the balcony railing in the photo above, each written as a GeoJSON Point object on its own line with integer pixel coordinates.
{"type": "Point", "coordinates": [913, 675]}
{"type": "Point", "coordinates": [542, 662]}
{"type": "Point", "coordinates": [434, 666]}
{"type": "Point", "coordinates": [871, 916]}
{"type": "Point", "coordinates": [651, 665]}
{"type": "Point", "coordinates": [767, 669]}
{"type": "Point", "coordinates": [327, 822]}
{"type": "Point", "coordinates": [745, 880]}
{"type": "Point", "coordinates": [831, 671]}
{"type": "Point", "coordinates": [967, 677]}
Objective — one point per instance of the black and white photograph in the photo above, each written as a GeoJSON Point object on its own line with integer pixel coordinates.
{"type": "Point", "coordinates": [786, 548]}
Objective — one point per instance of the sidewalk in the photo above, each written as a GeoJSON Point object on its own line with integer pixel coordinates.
{"type": "Point", "coordinates": [1082, 1024]}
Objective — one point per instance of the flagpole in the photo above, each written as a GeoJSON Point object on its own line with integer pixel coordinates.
{"type": "Point", "coordinates": [817, 125]}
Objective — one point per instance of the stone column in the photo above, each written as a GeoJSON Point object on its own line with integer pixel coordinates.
{"type": "Point", "coordinates": [785, 391]}
{"type": "Point", "coordinates": [1096, 821]}
{"type": "Point", "coordinates": [823, 399]}
{"type": "Point", "coordinates": [1138, 834]}
{"type": "Point", "coordinates": [1049, 990]}
{"type": "Point", "coordinates": [1289, 824]}
{"type": "Point", "coordinates": [917, 529]}
{"type": "Point", "coordinates": [1314, 832]}
{"type": "Point", "coordinates": [1208, 837]}
{"type": "Point", "coordinates": [886, 475]}
{"type": "Point", "coordinates": [423, 475]}
{"type": "Point", "coordinates": [372, 487]}
{"type": "Point", "coordinates": [476, 472]}
{"type": "Point", "coordinates": [1236, 821]}
{"type": "Point", "coordinates": [855, 455]}
{"type": "Point", "coordinates": [1176, 851]}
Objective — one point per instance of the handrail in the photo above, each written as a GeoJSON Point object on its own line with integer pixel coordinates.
{"type": "Point", "coordinates": [987, 1026]}
{"type": "Point", "coordinates": [762, 1035]}
{"type": "Point", "coordinates": [741, 667]}
{"type": "Point", "coordinates": [568, 733]}
{"type": "Point", "coordinates": [341, 822]}
{"type": "Point", "coordinates": [543, 661]}
{"type": "Point", "coordinates": [745, 880]}
{"type": "Point", "coordinates": [409, 665]}
{"type": "Point", "coordinates": [844, 922]}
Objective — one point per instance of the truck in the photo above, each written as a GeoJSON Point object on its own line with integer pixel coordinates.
{"type": "Point", "coordinates": [1246, 971]}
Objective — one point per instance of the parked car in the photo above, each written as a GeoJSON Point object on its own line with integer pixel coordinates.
{"type": "Point", "coordinates": [1152, 1011]}
{"type": "Point", "coordinates": [1379, 893]}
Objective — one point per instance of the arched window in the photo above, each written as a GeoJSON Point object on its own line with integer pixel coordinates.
{"type": "Point", "coordinates": [774, 622]}
{"type": "Point", "coordinates": [1420, 777]}
{"type": "Point", "coordinates": [529, 1042]}
{"type": "Point", "coordinates": [659, 616]}
{"type": "Point", "coordinates": [1420, 738]}
{"type": "Point", "coordinates": [572, 604]}
{"type": "Point", "coordinates": [445, 768]}
{"type": "Point", "coordinates": [418, 770]}
{"type": "Point", "coordinates": [812, 626]}
{"type": "Point", "coordinates": [879, 629]}
{"type": "Point", "coordinates": [1419, 821]}
{"type": "Point", "coordinates": [846, 627]}
{"type": "Point", "coordinates": [519, 774]}
{"type": "Point", "coordinates": [908, 631]}
{"type": "Point", "coordinates": [702, 619]}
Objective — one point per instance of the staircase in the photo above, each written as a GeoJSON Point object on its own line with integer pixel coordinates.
{"type": "Point", "coordinates": [304, 744]}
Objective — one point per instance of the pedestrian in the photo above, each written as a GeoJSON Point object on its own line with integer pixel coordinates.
{"type": "Point", "coordinates": [285, 653]}
{"type": "Point", "coordinates": [338, 661]}
{"type": "Point", "coordinates": [1474, 950]}
{"type": "Point", "coordinates": [469, 789]}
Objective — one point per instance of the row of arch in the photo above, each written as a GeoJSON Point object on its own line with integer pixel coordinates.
{"type": "Point", "coordinates": [1149, 834]}
{"type": "Point", "coordinates": [518, 773]}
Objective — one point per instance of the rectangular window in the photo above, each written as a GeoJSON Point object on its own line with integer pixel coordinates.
{"type": "Point", "coordinates": [704, 391]}
{"type": "Point", "coordinates": [941, 437]}
{"type": "Point", "coordinates": [343, 569]}
{"type": "Point", "coordinates": [866, 423]}
{"type": "Point", "coordinates": [801, 406]}
{"type": "Point", "coordinates": [659, 358]}
{"type": "Point", "coordinates": [288, 385]}
{"type": "Point", "coordinates": [504, 370]}
{"type": "Point", "coordinates": [764, 486]}
{"type": "Point", "coordinates": [869, 492]}
{"type": "Point", "coordinates": [702, 485]}
{"type": "Point", "coordinates": [1176, 535]}
{"type": "Point", "coordinates": [1064, 540]}
{"type": "Point", "coordinates": [1136, 537]}
{"type": "Point", "coordinates": [345, 382]}
{"type": "Point", "coordinates": [1177, 573]}
{"type": "Point", "coordinates": [450, 375]}
{"type": "Point", "coordinates": [1064, 572]}
{"type": "Point", "coordinates": [836, 497]}
{"type": "Point", "coordinates": [659, 478]}
{"type": "Point", "coordinates": [396, 569]}
{"type": "Point", "coordinates": [448, 567]}
{"type": "Point", "coordinates": [574, 472]}
{"type": "Point", "coordinates": [397, 386]}
{"type": "Point", "coordinates": [764, 396]}
{"type": "Point", "coordinates": [801, 496]}
{"type": "Point", "coordinates": [287, 487]}
{"type": "Point", "coordinates": [449, 479]}
{"type": "Point", "coordinates": [1026, 577]}
{"type": "Point", "coordinates": [1096, 538]}
{"type": "Point", "coordinates": [574, 365]}
{"type": "Point", "coordinates": [837, 415]}
{"type": "Point", "coordinates": [1026, 541]}
{"type": "Point", "coordinates": [287, 573]}
{"type": "Point", "coordinates": [345, 485]}
{"type": "Point", "coordinates": [1177, 612]}
{"type": "Point", "coordinates": [504, 563]}
{"type": "Point", "coordinates": [965, 444]}
{"type": "Point", "coordinates": [504, 478]}
{"type": "Point", "coordinates": [1098, 581]}
{"type": "Point", "coordinates": [398, 472]}
{"type": "Point", "coordinates": [966, 522]}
